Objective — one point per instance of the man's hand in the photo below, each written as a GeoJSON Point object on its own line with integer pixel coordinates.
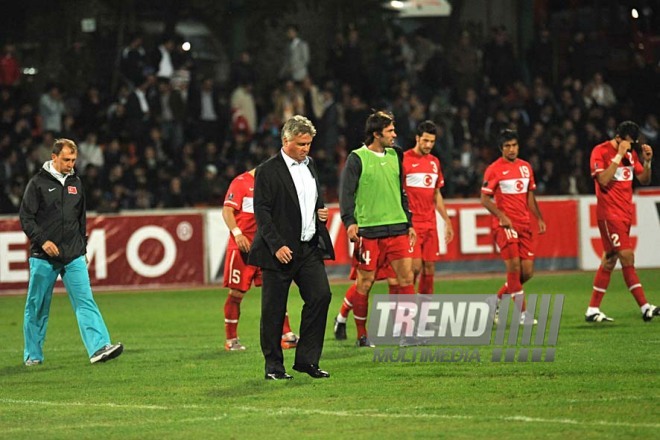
{"type": "Point", "coordinates": [284, 255]}
{"type": "Point", "coordinates": [322, 214]}
{"type": "Point", "coordinates": [352, 232]}
{"type": "Point", "coordinates": [242, 242]}
{"type": "Point", "coordinates": [505, 221]}
{"type": "Point", "coordinates": [623, 148]}
{"type": "Point", "coordinates": [449, 232]}
{"type": "Point", "coordinates": [50, 248]}
{"type": "Point", "coordinates": [647, 153]}
{"type": "Point", "coordinates": [412, 237]}
{"type": "Point", "coordinates": [542, 227]}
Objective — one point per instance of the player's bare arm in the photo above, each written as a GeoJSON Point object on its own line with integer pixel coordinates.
{"type": "Point", "coordinates": [440, 207]}
{"type": "Point", "coordinates": [487, 202]}
{"type": "Point", "coordinates": [230, 220]}
{"type": "Point", "coordinates": [534, 207]}
{"type": "Point", "coordinates": [605, 177]}
{"type": "Point", "coordinates": [647, 154]}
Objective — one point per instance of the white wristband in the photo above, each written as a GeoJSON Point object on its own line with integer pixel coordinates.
{"type": "Point", "coordinates": [236, 231]}
{"type": "Point", "coordinates": [617, 159]}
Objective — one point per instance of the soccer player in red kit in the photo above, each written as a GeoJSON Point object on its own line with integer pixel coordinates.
{"type": "Point", "coordinates": [423, 180]}
{"type": "Point", "coordinates": [508, 194]}
{"type": "Point", "coordinates": [238, 213]}
{"type": "Point", "coordinates": [613, 164]}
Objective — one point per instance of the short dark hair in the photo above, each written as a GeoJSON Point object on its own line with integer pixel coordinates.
{"type": "Point", "coordinates": [376, 122]}
{"type": "Point", "coordinates": [506, 135]}
{"type": "Point", "coordinates": [427, 127]}
{"type": "Point", "coordinates": [628, 128]}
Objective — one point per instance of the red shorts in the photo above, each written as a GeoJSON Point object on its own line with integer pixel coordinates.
{"type": "Point", "coordinates": [383, 272]}
{"type": "Point", "coordinates": [615, 235]}
{"type": "Point", "coordinates": [514, 242]}
{"type": "Point", "coordinates": [238, 274]}
{"type": "Point", "coordinates": [391, 249]}
{"type": "Point", "coordinates": [427, 246]}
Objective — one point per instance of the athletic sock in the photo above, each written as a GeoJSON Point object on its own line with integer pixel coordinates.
{"type": "Point", "coordinates": [407, 290]}
{"type": "Point", "coordinates": [601, 281]}
{"type": "Point", "coordinates": [393, 289]}
{"type": "Point", "coordinates": [347, 304]}
{"type": "Point", "coordinates": [286, 328]}
{"type": "Point", "coordinates": [232, 313]}
{"type": "Point", "coordinates": [635, 287]}
{"type": "Point", "coordinates": [504, 289]}
{"type": "Point", "coordinates": [360, 310]}
{"type": "Point", "coordinates": [426, 283]}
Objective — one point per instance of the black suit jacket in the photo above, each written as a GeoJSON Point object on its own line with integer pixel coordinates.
{"type": "Point", "coordinates": [277, 212]}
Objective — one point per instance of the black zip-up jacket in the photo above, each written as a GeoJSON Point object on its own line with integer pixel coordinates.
{"type": "Point", "coordinates": [55, 212]}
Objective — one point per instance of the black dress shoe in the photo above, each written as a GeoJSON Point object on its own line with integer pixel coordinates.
{"type": "Point", "coordinates": [278, 376]}
{"type": "Point", "coordinates": [312, 370]}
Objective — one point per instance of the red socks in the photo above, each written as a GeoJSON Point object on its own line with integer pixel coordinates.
{"type": "Point", "coordinates": [232, 313]}
{"type": "Point", "coordinates": [360, 310]}
{"type": "Point", "coordinates": [426, 283]}
{"type": "Point", "coordinates": [635, 287]}
{"type": "Point", "coordinates": [349, 300]}
{"type": "Point", "coordinates": [601, 281]}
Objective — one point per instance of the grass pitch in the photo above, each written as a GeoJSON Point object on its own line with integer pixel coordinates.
{"type": "Point", "coordinates": [174, 379]}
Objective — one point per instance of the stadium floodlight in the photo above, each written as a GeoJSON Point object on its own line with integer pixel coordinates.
{"type": "Point", "coordinates": [186, 46]}
{"type": "Point", "coordinates": [419, 8]}
{"type": "Point", "coordinates": [634, 13]}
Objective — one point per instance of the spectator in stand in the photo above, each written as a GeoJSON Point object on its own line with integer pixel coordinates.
{"type": "Point", "coordinates": [598, 92]}
{"type": "Point", "coordinates": [207, 112]}
{"type": "Point", "coordinates": [133, 61]}
{"type": "Point", "coordinates": [90, 152]}
{"type": "Point", "coordinates": [296, 57]}
{"type": "Point", "coordinates": [171, 114]}
{"type": "Point", "coordinates": [500, 62]}
{"type": "Point", "coordinates": [465, 59]}
{"type": "Point", "coordinates": [139, 110]}
{"type": "Point", "coordinates": [161, 58]}
{"type": "Point", "coordinates": [51, 108]}
{"type": "Point", "coordinates": [10, 69]}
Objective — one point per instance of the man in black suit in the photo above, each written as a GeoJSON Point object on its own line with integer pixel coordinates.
{"type": "Point", "coordinates": [290, 245]}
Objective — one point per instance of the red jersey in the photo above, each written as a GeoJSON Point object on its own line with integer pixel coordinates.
{"type": "Point", "coordinates": [509, 183]}
{"type": "Point", "coordinates": [614, 201]}
{"type": "Point", "coordinates": [423, 176]}
{"type": "Point", "coordinates": [240, 196]}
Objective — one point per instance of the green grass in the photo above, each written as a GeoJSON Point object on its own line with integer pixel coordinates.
{"type": "Point", "coordinates": [174, 380]}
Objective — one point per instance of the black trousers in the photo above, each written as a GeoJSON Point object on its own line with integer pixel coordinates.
{"type": "Point", "coordinates": [308, 272]}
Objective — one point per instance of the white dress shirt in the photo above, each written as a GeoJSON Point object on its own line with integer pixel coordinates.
{"type": "Point", "coordinates": [306, 190]}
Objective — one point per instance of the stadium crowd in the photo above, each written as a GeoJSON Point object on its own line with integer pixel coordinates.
{"type": "Point", "coordinates": [169, 137]}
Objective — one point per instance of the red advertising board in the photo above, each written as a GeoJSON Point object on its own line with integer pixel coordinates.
{"type": "Point", "coordinates": [472, 240]}
{"type": "Point", "coordinates": [123, 250]}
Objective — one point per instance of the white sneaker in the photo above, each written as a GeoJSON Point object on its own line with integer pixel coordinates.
{"type": "Point", "coordinates": [109, 351]}
{"type": "Point", "coordinates": [527, 321]}
{"type": "Point", "coordinates": [234, 345]}
{"type": "Point", "coordinates": [598, 317]}
{"type": "Point", "coordinates": [651, 312]}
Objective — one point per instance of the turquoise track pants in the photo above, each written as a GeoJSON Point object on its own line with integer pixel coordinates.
{"type": "Point", "coordinates": [43, 274]}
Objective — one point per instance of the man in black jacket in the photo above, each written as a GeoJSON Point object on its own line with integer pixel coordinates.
{"type": "Point", "coordinates": [53, 217]}
{"type": "Point", "coordinates": [290, 245]}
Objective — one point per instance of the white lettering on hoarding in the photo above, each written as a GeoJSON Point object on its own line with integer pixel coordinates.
{"type": "Point", "coordinates": [133, 254]}
{"type": "Point", "coordinates": [12, 256]}
{"type": "Point", "coordinates": [470, 232]}
{"type": "Point", "coordinates": [96, 252]}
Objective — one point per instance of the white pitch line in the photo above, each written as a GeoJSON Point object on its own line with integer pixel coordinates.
{"type": "Point", "coordinates": [69, 404]}
{"type": "Point", "coordinates": [374, 413]}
